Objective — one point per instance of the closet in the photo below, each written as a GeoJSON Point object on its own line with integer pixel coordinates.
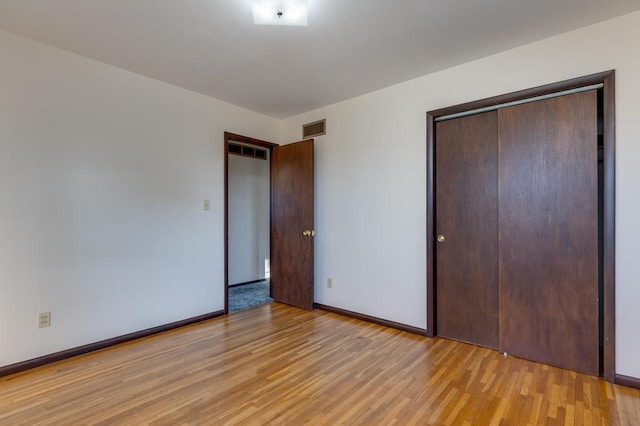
{"type": "Point", "coordinates": [517, 257]}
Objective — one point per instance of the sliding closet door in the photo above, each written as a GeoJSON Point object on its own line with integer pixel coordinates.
{"type": "Point", "coordinates": [548, 209]}
{"type": "Point", "coordinates": [466, 225]}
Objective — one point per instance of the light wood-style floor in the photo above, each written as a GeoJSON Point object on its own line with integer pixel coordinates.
{"type": "Point", "coordinates": [279, 365]}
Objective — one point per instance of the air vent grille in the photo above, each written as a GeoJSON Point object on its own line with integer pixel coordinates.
{"type": "Point", "coordinates": [247, 151]}
{"type": "Point", "coordinates": [317, 128]}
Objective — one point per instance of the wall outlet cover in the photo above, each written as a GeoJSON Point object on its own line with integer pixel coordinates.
{"type": "Point", "coordinates": [44, 319]}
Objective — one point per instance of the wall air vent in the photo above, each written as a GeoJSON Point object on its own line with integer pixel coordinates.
{"type": "Point", "coordinates": [317, 128]}
{"type": "Point", "coordinates": [247, 151]}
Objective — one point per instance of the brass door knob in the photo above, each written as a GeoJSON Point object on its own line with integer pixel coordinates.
{"type": "Point", "coordinates": [306, 233]}
{"type": "Point", "coordinates": [440, 238]}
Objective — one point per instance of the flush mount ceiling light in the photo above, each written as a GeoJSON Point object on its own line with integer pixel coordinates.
{"type": "Point", "coordinates": [280, 12]}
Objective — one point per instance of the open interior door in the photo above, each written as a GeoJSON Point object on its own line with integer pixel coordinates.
{"type": "Point", "coordinates": [292, 232]}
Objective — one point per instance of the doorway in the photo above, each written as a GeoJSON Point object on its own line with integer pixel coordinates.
{"type": "Point", "coordinates": [520, 223]}
{"type": "Point", "coordinates": [249, 204]}
{"type": "Point", "coordinates": [247, 222]}
{"type": "Point", "coordinates": [281, 261]}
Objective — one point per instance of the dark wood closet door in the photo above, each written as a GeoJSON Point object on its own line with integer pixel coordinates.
{"type": "Point", "coordinates": [467, 218]}
{"type": "Point", "coordinates": [548, 192]}
{"type": "Point", "coordinates": [291, 218]}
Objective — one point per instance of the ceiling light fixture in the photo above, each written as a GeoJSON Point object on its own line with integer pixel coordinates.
{"type": "Point", "coordinates": [280, 12]}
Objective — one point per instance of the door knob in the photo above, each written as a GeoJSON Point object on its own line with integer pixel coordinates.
{"type": "Point", "coordinates": [313, 233]}
{"type": "Point", "coordinates": [440, 238]}
{"type": "Point", "coordinates": [306, 233]}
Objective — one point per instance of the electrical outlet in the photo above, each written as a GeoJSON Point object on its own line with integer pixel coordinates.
{"type": "Point", "coordinates": [329, 282]}
{"type": "Point", "coordinates": [44, 319]}
{"type": "Point", "coordinates": [207, 205]}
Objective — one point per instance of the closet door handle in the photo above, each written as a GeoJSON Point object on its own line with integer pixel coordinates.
{"type": "Point", "coordinates": [440, 238]}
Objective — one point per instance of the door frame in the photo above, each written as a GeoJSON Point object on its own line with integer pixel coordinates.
{"type": "Point", "coordinates": [250, 141]}
{"type": "Point", "coordinates": [607, 78]}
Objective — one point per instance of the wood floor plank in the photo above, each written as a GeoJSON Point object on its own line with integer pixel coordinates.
{"type": "Point", "coordinates": [279, 365]}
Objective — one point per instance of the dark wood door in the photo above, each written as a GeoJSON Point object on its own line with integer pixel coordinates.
{"type": "Point", "coordinates": [467, 218]}
{"type": "Point", "coordinates": [548, 264]}
{"type": "Point", "coordinates": [291, 220]}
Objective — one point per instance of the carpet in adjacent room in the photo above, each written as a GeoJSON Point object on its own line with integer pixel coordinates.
{"type": "Point", "coordinates": [248, 295]}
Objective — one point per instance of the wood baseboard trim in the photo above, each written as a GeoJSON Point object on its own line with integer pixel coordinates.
{"type": "Point", "coordinates": [379, 321]}
{"type": "Point", "coordinates": [91, 347]}
{"type": "Point", "coordinates": [632, 382]}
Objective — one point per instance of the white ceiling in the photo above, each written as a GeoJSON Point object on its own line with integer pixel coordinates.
{"type": "Point", "coordinates": [350, 47]}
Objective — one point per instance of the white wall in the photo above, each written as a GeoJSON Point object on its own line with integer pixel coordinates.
{"type": "Point", "coordinates": [103, 174]}
{"type": "Point", "coordinates": [249, 206]}
{"type": "Point", "coordinates": [371, 170]}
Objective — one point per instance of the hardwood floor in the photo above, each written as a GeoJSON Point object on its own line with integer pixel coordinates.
{"type": "Point", "coordinates": [275, 364]}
